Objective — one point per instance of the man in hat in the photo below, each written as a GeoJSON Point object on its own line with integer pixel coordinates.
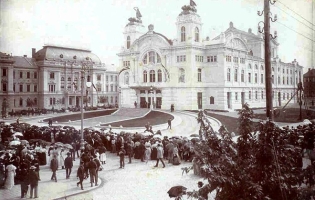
{"type": "Point", "coordinates": [33, 180]}
{"type": "Point", "coordinates": [159, 156]}
{"type": "Point", "coordinates": [54, 167]}
{"type": "Point", "coordinates": [122, 153]}
{"type": "Point", "coordinates": [92, 166]}
{"type": "Point", "coordinates": [80, 174]}
{"type": "Point", "coordinates": [68, 165]}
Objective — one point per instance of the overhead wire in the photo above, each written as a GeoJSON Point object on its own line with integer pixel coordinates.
{"type": "Point", "coordinates": [294, 12]}
{"type": "Point", "coordinates": [295, 31]}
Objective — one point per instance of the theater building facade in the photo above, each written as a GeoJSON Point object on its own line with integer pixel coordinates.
{"type": "Point", "coordinates": [193, 72]}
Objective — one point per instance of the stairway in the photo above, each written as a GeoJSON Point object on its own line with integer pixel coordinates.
{"type": "Point", "coordinates": [131, 112]}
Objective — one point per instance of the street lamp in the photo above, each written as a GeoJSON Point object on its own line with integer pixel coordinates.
{"type": "Point", "coordinates": [300, 89]}
{"type": "Point", "coordinates": [85, 67]}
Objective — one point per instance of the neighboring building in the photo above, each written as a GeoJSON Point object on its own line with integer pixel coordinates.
{"type": "Point", "coordinates": [52, 78]}
{"type": "Point", "coordinates": [309, 84]}
{"type": "Point", "coordinates": [195, 73]}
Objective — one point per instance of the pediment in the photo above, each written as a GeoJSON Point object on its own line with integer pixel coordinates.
{"type": "Point", "coordinates": [236, 43]}
{"type": "Point", "coordinates": [150, 40]}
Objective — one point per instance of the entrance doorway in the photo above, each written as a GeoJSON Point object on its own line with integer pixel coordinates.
{"type": "Point", "coordinates": [158, 102]}
{"type": "Point", "coordinates": [199, 94]}
{"type": "Point", "coordinates": [143, 103]}
{"type": "Point", "coordinates": [279, 98]}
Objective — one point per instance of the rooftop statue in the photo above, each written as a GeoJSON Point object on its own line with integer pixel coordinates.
{"type": "Point", "coordinates": [189, 8]}
{"type": "Point", "coordinates": [132, 20]}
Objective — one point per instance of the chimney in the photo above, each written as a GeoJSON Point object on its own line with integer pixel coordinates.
{"type": "Point", "coordinates": [33, 52]}
{"type": "Point", "coordinates": [25, 56]}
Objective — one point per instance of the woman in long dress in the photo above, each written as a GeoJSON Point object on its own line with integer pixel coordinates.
{"type": "Point", "coordinates": [62, 159]}
{"type": "Point", "coordinates": [9, 181]}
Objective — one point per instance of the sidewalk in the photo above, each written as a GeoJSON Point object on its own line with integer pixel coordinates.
{"type": "Point", "coordinates": [48, 189]}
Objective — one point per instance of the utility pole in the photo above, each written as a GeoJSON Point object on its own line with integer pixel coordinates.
{"type": "Point", "coordinates": [267, 36]}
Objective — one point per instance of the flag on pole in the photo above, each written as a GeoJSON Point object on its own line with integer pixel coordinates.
{"type": "Point", "coordinates": [192, 3]}
{"type": "Point", "coordinates": [94, 86]}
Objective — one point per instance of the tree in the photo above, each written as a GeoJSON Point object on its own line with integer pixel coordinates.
{"type": "Point", "coordinates": [262, 164]}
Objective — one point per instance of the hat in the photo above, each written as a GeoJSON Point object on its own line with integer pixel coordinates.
{"type": "Point", "coordinates": [32, 167]}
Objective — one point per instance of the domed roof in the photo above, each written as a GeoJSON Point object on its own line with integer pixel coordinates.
{"type": "Point", "coordinates": [50, 52]}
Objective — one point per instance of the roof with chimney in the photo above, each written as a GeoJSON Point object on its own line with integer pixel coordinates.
{"type": "Point", "coordinates": [309, 73]}
{"type": "Point", "coordinates": [24, 62]}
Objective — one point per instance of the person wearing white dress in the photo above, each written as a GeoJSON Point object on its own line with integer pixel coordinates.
{"type": "Point", "coordinates": [62, 159]}
{"type": "Point", "coordinates": [9, 181]}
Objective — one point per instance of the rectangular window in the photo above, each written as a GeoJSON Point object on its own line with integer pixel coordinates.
{"type": "Point", "coordinates": [4, 72]}
{"type": "Point", "coordinates": [199, 75]}
{"type": "Point", "coordinates": [214, 58]}
{"type": "Point", "coordinates": [249, 95]}
{"type": "Point", "coordinates": [181, 58]}
{"type": "Point", "coordinates": [249, 77]}
{"type": "Point", "coordinates": [242, 60]}
{"type": "Point", "coordinates": [242, 76]}
{"type": "Point", "coordinates": [106, 78]}
{"type": "Point", "coordinates": [99, 77]}
{"type": "Point", "coordinates": [235, 75]}
{"type": "Point", "coordinates": [262, 94]}
{"type": "Point", "coordinates": [21, 74]}
{"type": "Point", "coordinates": [52, 75]}
{"type": "Point", "coordinates": [35, 88]}
{"type": "Point", "coordinates": [256, 95]}
{"type": "Point", "coordinates": [273, 79]}
{"type": "Point", "coordinates": [35, 75]}
{"type": "Point", "coordinates": [4, 87]}
{"type": "Point", "coordinates": [256, 78]}
{"type": "Point", "coordinates": [115, 78]}
{"type": "Point", "coordinates": [51, 88]}
{"type": "Point", "coordinates": [106, 88]}
{"type": "Point", "coordinates": [13, 87]}
{"type": "Point", "coordinates": [21, 88]}
{"type": "Point", "coordinates": [236, 96]}
{"type": "Point", "coordinates": [111, 88]}
{"type": "Point", "coordinates": [21, 102]}
{"type": "Point", "coordinates": [28, 88]}
{"type": "Point", "coordinates": [28, 74]}
{"type": "Point", "coordinates": [261, 78]}
{"type": "Point", "coordinates": [235, 59]}
{"type": "Point", "coordinates": [111, 78]}
{"type": "Point", "coordinates": [228, 58]}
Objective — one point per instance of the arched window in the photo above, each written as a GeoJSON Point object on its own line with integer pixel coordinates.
{"type": "Point", "coordinates": [153, 57]}
{"type": "Point", "coordinates": [262, 67]}
{"type": "Point", "coordinates": [256, 67]}
{"type": "Point", "coordinates": [126, 78]}
{"type": "Point", "coordinates": [211, 100]}
{"type": "Point", "coordinates": [229, 74]}
{"type": "Point", "coordinates": [196, 34]}
{"type": "Point", "coordinates": [62, 78]}
{"type": "Point", "coordinates": [152, 76]}
{"type": "Point", "coordinates": [181, 77]}
{"type": "Point", "coordinates": [249, 66]}
{"type": "Point", "coordinates": [145, 76]}
{"type": "Point", "coordinates": [199, 75]}
{"type": "Point", "coordinates": [182, 34]}
{"type": "Point", "coordinates": [159, 75]}
{"type": "Point", "coordinates": [128, 42]}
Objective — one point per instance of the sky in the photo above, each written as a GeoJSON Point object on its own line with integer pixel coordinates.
{"type": "Point", "coordinates": [98, 25]}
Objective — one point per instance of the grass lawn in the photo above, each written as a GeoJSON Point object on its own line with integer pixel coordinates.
{"type": "Point", "coordinates": [291, 115]}
{"type": "Point", "coordinates": [77, 116]}
{"type": "Point", "coordinates": [153, 117]}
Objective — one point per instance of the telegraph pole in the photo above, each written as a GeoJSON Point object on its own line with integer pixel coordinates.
{"type": "Point", "coordinates": [267, 37]}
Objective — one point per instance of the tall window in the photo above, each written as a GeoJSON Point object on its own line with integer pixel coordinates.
{"type": "Point", "coordinates": [35, 75]}
{"type": "Point", "coordinates": [98, 77]}
{"type": "Point", "coordinates": [242, 76]}
{"type": "Point", "coordinates": [152, 76]}
{"type": "Point", "coordinates": [128, 42]}
{"type": "Point", "coordinates": [51, 87]}
{"type": "Point", "coordinates": [229, 74]}
{"type": "Point", "coordinates": [181, 78]}
{"type": "Point", "coordinates": [279, 81]}
{"type": "Point", "coordinates": [196, 34]}
{"type": "Point", "coordinates": [262, 94]}
{"type": "Point", "coordinates": [261, 78]}
{"type": "Point", "coordinates": [28, 88]}
{"type": "Point", "coordinates": [52, 75]}
{"type": "Point", "coordinates": [236, 96]}
{"type": "Point", "coordinates": [152, 56]}
{"type": "Point", "coordinates": [21, 88]}
{"type": "Point", "coordinates": [235, 75]}
{"type": "Point", "coordinates": [145, 76]}
{"type": "Point", "coordinates": [21, 74]}
{"type": "Point", "coordinates": [256, 78]}
{"type": "Point", "coordinates": [159, 75]}
{"type": "Point", "coordinates": [126, 78]}
{"type": "Point", "coordinates": [4, 87]}
{"type": "Point", "coordinates": [256, 95]}
{"type": "Point", "coordinates": [182, 34]}
{"type": "Point", "coordinates": [35, 88]}
{"type": "Point", "coordinates": [21, 102]}
{"type": "Point", "coordinates": [273, 79]}
{"type": "Point", "coordinates": [4, 72]}
{"type": "Point", "coordinates": [199, 75]}
{"type": "Point", "coordinates": [250, 95]}
{"type": "Point", "coordinates": [28, 74]}
{"type": "Point", "coordinates": [249, 77]}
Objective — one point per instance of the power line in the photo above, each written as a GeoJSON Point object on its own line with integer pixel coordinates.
{"type": "Point", "coordinates": [295, 12]}
{"type": "Point", "coordinates": [295, 31]}
{"type": "Point", "coordinates": [295, 18]}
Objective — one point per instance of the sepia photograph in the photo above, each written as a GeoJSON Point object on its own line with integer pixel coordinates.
{"type": "Point", "coordinates": [157, 99]}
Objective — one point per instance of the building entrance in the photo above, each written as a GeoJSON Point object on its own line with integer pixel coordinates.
{"type": "Point", "coordinates": [158, 102]}
{"type": "Point", "coordinates": [143, 103]}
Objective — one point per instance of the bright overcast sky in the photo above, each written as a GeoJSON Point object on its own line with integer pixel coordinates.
{"type": "Point", "coordinates": [98, 24]}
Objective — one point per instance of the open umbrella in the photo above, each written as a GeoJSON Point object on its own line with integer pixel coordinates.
{"type": "Point", "coordinates": [68, 146]}
{"type": "Point", "coordinates": [147, 133]}
{"type": "Point", "coordinates": [14, 142]}
{"type": "Point", "coordinates": [158, 136]}
{"type": "Point", "coordinates": [60, 144]}
{"type": "Point", "coordinates": [24, 142]}
{"type": "Point", "coordinates": [18, 134]}
{"type": "Point", "coordinates": [176, 191]}
{"type": "Point", "coordinates": [194, 135]}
